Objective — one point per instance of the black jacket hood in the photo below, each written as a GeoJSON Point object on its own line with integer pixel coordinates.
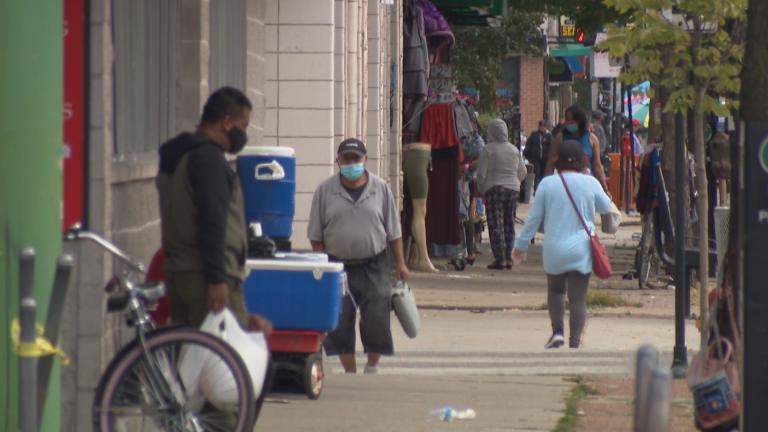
{"type": "Point", "coordinates": [174, 149]}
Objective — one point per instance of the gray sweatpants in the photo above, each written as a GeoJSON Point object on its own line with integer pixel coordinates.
{"type": "Point", "coordinates": [575, 284]}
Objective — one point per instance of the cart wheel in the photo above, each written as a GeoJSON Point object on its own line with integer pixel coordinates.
{"type": "Point", "coordinates": [314, 375]}
{"type": "Point", "coordinates": [459, 264]}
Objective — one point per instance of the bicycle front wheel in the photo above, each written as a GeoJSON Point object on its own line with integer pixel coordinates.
{"type": "Point", "coordinates": [180, 379]}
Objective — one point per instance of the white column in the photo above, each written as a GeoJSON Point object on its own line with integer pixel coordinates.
{"type": "Point", "coordinates": [340, 71]}
{"type": "Point", "coordinates": [353, 14]}
{"type": "Point", "coordinates": [300, 96]}
{"type": "Point", "coordinates": [396, 99]}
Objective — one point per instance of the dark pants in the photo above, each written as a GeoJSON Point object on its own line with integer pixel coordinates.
{"type": "Point", "coordinates": [538, 170]}
{"type": "Point", "coordinates": [501, 204]}
{"type": "Point", "coordinates": [369, 284]}
{"type": "Point", "coordinates": [575, 285]}
{"type": "Point", "coordinates": [188, 298]}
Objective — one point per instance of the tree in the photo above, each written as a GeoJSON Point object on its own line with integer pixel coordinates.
{"type": "Point", "coordinates": [479, 51]}
{"type": "Point", "coordinates": [700, 67]}
{"type": "Point", "coordinates": [590, 15]}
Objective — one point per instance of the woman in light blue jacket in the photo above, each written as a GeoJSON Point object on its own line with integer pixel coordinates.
{"type": "Point", "coordinates": [567, 248]}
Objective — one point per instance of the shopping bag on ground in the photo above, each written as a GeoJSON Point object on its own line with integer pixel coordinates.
{"type": "Point", "coordinates": [214, 380]}
{"type": "Point", "coordinates": [404, 304]}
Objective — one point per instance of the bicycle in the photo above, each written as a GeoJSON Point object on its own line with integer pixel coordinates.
{"type": "Point", "coordinates": [143, 387]}
{"type": "Point", "coordinates": [648, 265]}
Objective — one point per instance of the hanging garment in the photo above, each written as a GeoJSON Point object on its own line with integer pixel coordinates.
{"type": "Point", "coordinates": [415, 51]}
{"type": "Point", "coordinates": [437, 128]}
{"type": "Point", "coordinates": [437, 29]}
{"type": "Point", "coordinates": [443, 198]}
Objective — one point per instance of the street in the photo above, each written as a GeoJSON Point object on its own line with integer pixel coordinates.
{"type": "Point", "coordinates": [481, 347]}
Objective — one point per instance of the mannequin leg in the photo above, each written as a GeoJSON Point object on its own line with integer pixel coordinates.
{"type": "Point", "coordinates": [420, 256]}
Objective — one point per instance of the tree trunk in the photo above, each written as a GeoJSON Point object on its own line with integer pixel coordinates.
{"type": "Point", "coordinates": [702, 201]}
{"type": "Point", "coordinates": [702, 208]}
{"type": "Point", "coordinates": [754, 88]}
{"type": "Point", "coordinates": [668, 162]}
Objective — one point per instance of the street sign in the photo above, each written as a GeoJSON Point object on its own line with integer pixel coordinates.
{"type": "Point", "coordinates": [603, 65]}
{"type": "Point", "coordinates": [763, 155]}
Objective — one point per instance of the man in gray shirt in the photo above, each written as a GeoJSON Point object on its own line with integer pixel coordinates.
{"type": "Point", "coordinates": [354, 220]}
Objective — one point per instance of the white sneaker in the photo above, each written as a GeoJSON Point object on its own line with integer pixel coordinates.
{"type": "Point", "coordinates": [371, 370]}
{"type": "Point", "coordinates": [555, 341]}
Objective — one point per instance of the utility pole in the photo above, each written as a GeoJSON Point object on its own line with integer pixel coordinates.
{"type": "Point", "coordinates": [753, 223]}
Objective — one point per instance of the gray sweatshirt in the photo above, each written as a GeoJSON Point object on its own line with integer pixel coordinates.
{"type": "Point", "coordinates": [501, 163]}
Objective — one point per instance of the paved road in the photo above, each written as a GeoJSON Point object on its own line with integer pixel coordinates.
{"type": "Point", "coordinates": [492, 362]}
{"type": "Point", "coordinates": [480, 347]}
{"type": "Point", "coordinates": [404, 403]}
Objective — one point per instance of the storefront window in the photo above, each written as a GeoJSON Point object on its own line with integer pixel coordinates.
{"type": "Point", "coordinates": [228, 44]}
{"type": "Point", "coordinates": [144, 36]}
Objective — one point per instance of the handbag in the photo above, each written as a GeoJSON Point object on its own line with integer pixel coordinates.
{"type": "Point", "coordinates": [713, 375]}
{"type": "Point", "coordinates": [601, 263]}
{"type": "Point", "coordinates": [713, 378]}
{"type": "Point", "coordinates": [404, 304]}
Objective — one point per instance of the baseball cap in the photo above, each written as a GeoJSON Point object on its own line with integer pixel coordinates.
{"type": "Point", "coordinates": [352, 145]}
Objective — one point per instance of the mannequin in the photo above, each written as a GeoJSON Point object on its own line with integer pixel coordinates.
{"type": "Point", "coordinates": [417, 159]}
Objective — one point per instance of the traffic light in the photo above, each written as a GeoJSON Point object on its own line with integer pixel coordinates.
{"type": "Point", "coordinates": [584, 38]}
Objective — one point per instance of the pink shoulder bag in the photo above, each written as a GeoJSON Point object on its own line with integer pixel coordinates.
{"type": "Point", "coordinates": [601, 263]}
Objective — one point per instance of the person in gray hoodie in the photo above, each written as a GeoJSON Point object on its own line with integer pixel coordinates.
{"type": "Point", "coordinates": [500, 171]}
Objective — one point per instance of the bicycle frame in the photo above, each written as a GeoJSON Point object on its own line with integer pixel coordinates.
{"type": "Point", "coordinates": [136, 314]}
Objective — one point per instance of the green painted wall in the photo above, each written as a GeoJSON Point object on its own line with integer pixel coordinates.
{"type": "Point", "coordinates": [30, 173]}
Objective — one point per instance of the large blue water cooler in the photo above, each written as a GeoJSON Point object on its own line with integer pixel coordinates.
{"type": "Point", "coordinates": [268, 179]}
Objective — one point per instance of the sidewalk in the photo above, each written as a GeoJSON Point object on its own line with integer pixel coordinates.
{"type": "Point", "coordinates": [481, 347]}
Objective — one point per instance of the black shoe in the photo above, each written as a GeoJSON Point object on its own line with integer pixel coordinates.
{"type": "Point", "coordinates": [496, 265]}
{"type": "Point", "coordinates": [555, 341]}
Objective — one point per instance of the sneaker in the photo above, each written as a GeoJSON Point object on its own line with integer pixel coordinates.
{"type": "Point", "coordinates": [371, 370]}
{"type": "Point", "coordinates": [555, 341]}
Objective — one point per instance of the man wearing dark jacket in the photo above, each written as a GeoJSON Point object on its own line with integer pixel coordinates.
{"type": "Point", "coordinates": [536, 151]}
{"type": "Point", "coordinates": [203, 222]}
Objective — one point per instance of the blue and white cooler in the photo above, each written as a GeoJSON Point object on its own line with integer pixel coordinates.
{"type": "Point", "coordinates": [268, 180]}
{"type": "Point", "coordinates": [295, 294]}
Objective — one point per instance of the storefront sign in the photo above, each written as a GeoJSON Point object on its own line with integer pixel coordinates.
{"type": "Point", "coordinates": [603, 65]}
{"type": "Point", "coordinates": [74, 112]}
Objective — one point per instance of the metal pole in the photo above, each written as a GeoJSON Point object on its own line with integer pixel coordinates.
{"type": "Point", "coordinates": [631, 164]}
{"type": "Point", "coordinates": [64, 266]}
{"type": "Point", "coordinates": [680, 361]}
{"type": "Point", "coordinates": [27, 364]}
{"type": "Point", "coordinates": [659, 402]}
{"type": "Point", "coordinates": [646, 361]}
{"type": "Point", "coordinates": [754, 248]}
{"type": "Point", "coordinates": [616, 131]}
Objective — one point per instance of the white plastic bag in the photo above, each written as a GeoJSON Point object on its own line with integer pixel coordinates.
{"type": "Point", "coordinates": [206, 375]}
{"type": "Point", "coordinates": [610, 221]}
{"type": "Point", "coordinates": [404, 304]}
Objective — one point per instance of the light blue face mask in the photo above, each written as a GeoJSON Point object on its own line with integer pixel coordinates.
{"type": "Point", "coordinates": [352, 172]}
{"type": "Point", "coordinates": [572, 127]}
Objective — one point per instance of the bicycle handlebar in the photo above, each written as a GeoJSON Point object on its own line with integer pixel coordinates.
{"type": "Point", "coordinates": [76, 233]}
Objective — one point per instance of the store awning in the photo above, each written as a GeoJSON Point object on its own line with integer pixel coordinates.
{"type": "Point", "coordinates": [569, 50]}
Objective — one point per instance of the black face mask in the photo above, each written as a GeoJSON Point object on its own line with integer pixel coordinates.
{"type": "Point", "coordinates": [237, 139]}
